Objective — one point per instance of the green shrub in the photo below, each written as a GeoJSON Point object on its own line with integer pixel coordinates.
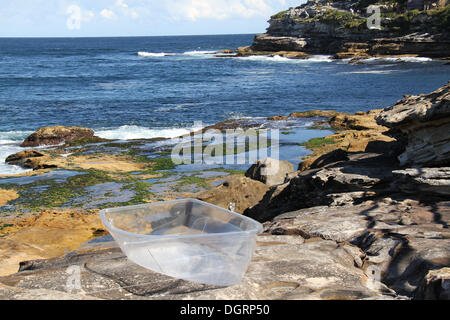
{"type": "Point", "coordinates": [280, 15]}
{"type": "Point", "coordinates": [443, 15]}
{"type": "Point", "coordinates": [342, 18]}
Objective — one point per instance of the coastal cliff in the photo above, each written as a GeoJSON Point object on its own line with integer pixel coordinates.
{"type": "Point", "coordinates": [340, 28]}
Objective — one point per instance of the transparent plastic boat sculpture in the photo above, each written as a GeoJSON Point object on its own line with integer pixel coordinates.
{"type": "Point", "coordinates": [186, 239]}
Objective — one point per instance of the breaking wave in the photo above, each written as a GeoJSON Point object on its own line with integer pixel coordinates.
{"type": "Point", "coordinates": [10, 144]}
{"type": "Point", "coordinates": [152, 54]}
{"type": "Point", "coordinates": [136, 132]}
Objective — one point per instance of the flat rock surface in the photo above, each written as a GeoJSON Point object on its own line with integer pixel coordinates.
{"type": "Point", "coordinates": [402, 239]}
{"type": "Point", "coordinates": [51, 234]}
{"type": "Point", "coordinates": [283, 267]}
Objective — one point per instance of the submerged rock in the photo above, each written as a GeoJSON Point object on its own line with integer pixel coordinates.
{"type": "Point", "coordinates": [24, 158]}
{"type": "Point", "coordinates": [56, 135]}
{"type": "Point", "coordinates": [100, 161]}
{"type": "Point", "coordinates": [31, 159]}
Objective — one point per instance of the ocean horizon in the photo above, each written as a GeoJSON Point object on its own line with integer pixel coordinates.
{"type": "Point", "coordinates": [134, 36]}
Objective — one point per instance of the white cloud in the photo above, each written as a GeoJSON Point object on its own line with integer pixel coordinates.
{"type": "Point", "coordinates": [126, 10]}
{"type": "Point", "coordinates": [133, 14]}
{"type": "Point", "coordinates": [220, 9]}
{"type": "Point", "coordinates": [120, 8]}
{"type": "Point", "coordinates": [108, 14]}
{"type": "Point", "coordinates": [76, 15]}
{"type": "Point", "coordinates": [120, 3]}
{"type": "Point", "coordinates": [87, 15]}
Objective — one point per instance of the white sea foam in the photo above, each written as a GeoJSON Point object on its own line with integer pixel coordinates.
{"type": "Point", "coordinates": [195, 53]}
{"type": "Point", "coordinates": [6, 169]}
{"type": "Point", "coordinates": [398, 59]}
{"type": "Point", "coordinates": [236, 115]}
{"type": "Point", "coordinates": [137, 132]}
{"type": "Point", "coordinates": [265, 58]}
{"type": "Point", "coordinates": [172, 108]}
{"type": "Point", "coordinates": [277, 58]}
{"type": "Point", "coordinates": [2, 141]}
{"type": "Point", "coordinates": [199, 53]}
{"type": "Point", "coordinates": [113, 85]}
{"type": "Point", "coordinates": [328, 58]}
{"type": "Point", "coordinates": [371, 72]}
{"type": "Point", "coordinates": [10, 144]}
{"type": "Point", "coordinates": [411, 59]}
{"type": "Point", "coordinates": [14, 136]}
{"type": "Point", "coordinates": [152, 54]}
{"type": "Point", "coordinates": [320, 58]}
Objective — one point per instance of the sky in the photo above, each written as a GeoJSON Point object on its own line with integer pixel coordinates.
{"type": "Point", "coordinates": [104, 18]}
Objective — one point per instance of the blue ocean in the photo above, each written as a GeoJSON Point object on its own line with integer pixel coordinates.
{"type": "Point", "coordinates": [145, 87]}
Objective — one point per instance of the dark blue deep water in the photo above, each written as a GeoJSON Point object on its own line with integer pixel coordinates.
{"type": "Point", "coordinates": [104, 84]}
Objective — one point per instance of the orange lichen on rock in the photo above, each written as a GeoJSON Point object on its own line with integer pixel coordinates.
{"type": "Point", "coordinates": [354, 133]}
{"type": "Point", "coordinates": [104, 162]}
{"type": "Point", "coordinates": [51, 234]}
{"type": "Point", "coordinates": [7, 195]}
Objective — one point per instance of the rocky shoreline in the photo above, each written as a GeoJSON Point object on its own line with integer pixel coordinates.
{"type": "Point", "coordinates": [365, 216]}
{"type": "Point", "coordinates": [339, 28]}
{"type": "Point", "coordinates": [391, 201]}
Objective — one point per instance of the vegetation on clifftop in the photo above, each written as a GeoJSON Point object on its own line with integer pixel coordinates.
{"type": "Point", "coordinates": [340, 18]}
{"type": "Point", "coordinates": [443, 15]}
{"type": "Point", "coordinates": [400, 19]}
{"type": "Point", "coordinates": [404, 21]}
{"type": "Point", "coordinates": [280, 15]}
{"type": "Point", "coordinates": [343, 18]}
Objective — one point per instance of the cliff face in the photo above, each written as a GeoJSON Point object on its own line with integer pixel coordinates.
{"type": "Point", "coordinates": [336, 27]}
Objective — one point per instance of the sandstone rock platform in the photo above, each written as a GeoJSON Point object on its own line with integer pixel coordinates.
{"type": "Point", "coordinates": [283, 267]}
